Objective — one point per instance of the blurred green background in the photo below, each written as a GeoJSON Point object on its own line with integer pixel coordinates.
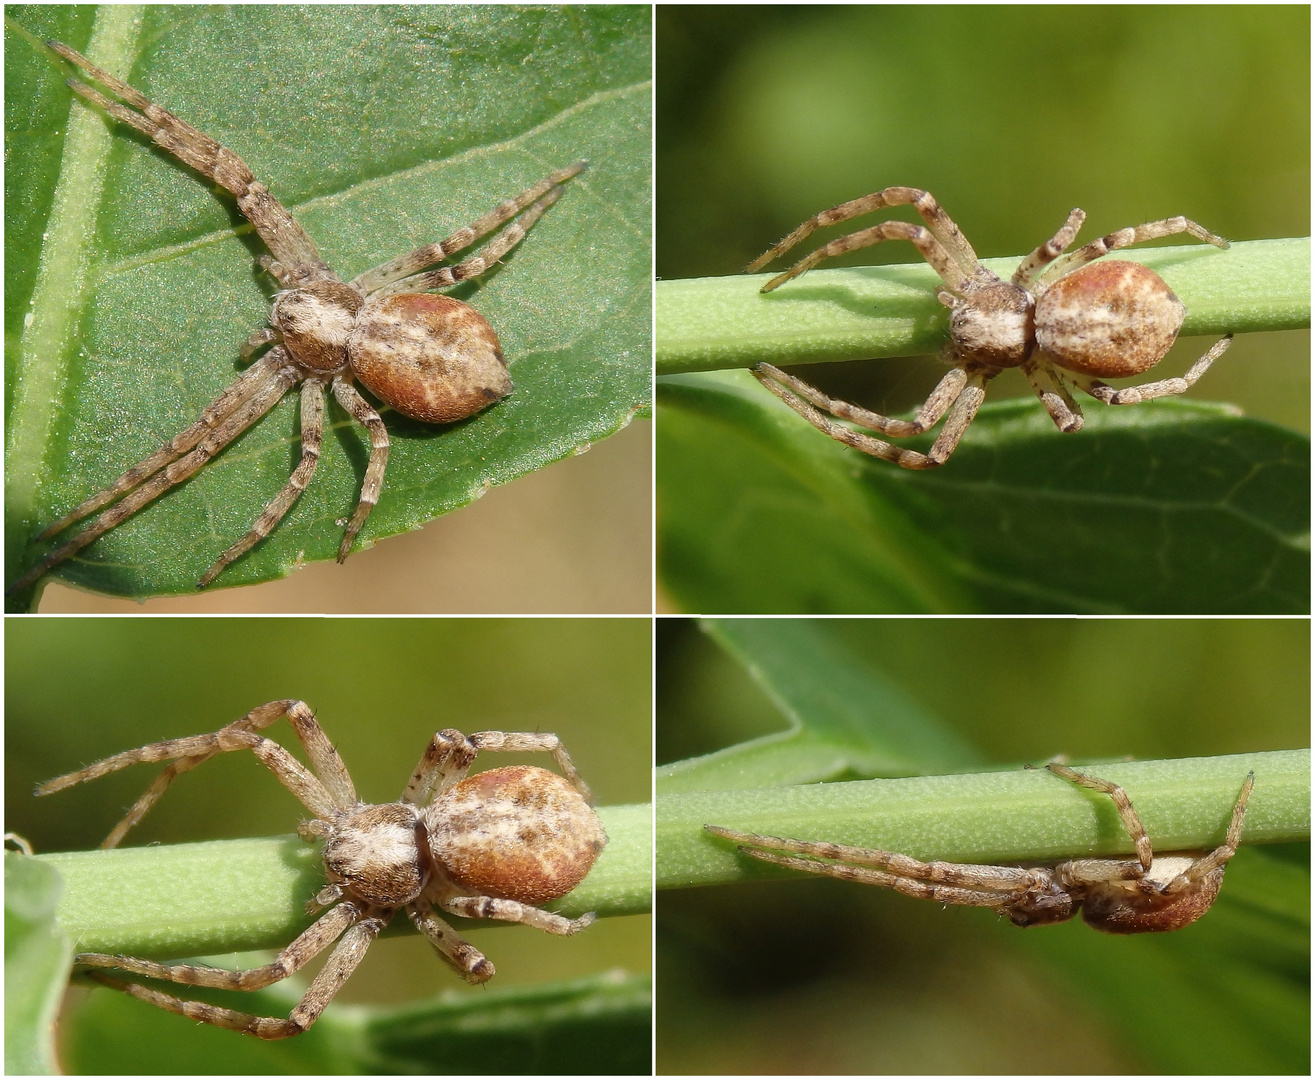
{"type": "Point", "coordinates": [1011, 116]}
{"type": "Point", "coordinates": [81, 689]}
{"type": "Point", "coordinates": [820, 976]}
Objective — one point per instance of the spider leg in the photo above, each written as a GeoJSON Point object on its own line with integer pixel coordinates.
{"type": "Point", "coordinates": [1134, 395]}
{"type": "Point", "coordinates": [1122, 238]}
{"type": "Point", "coordinates": [491, 907]}
{"type": "Point", "coordinates": [1054, 394]}
{"type": "Point", "coordinates": [954, 275]}
{"type": "Point", "coordinates": [325, 762]}
{"type": "Point", "coordinates": [1122, 803]}
{"type": "Point", "coordinates": [946, 232]}
{"type": "Point", "coordinates": [449, 755]}
{"type": "Point", "coordinates": [312, 426]}
{"type": "Point", "coordinates": [336, 971]}
{"type": "Point", "coordinates": [287, 241]}
{"type": "Point", "coordinates": [1051, 249]}
{"type": "Point", "coordinates": [374, 279]}
{"type": "Point", "coordinates": [363, 413]}
{"type": "Point", "coordinates": [533, 742]}
{"type": "Point", "coordinates": [308, 945]}
{"type": "Point", "coordinates": [320, 797]}
{"type": "Point", "coordinates": [923, 890]}
{"type": "Point", "coordinates": [496, 248]}
{"type": "Point", "coordinates": [940, 399]}
{"type": "Point", "coordinates": [468, 961]}
{"type": "Point", "coordinates": [1005, 878]}
{"type": "Point", "coordinates": [960, 417]}
{"type": "Point", "coordinates": [266, 396]}
{"type": "Point", "coordinates": [1225, 851]}
{"type": "Point", "coordinates": [241, 391]}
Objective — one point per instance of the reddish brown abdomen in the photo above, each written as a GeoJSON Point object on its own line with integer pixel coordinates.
{"type": "Point", "coordinates": [518, 832]}
{"type": "Point", "coordinates": [1108, 319]}
{"type": "Point", "coordinates": [430, 357]}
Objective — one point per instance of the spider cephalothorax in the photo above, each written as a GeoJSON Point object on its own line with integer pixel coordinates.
{"type": "Point", "coordinates": [1118, 896]}
{"type": "Point", "coordinates": [431, 358]}
{"type": "Point", "coordinates": [1061, 319]}
{"type": "Point", "coordinates": [495, 845]}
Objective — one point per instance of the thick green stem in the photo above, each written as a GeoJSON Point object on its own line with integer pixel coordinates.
{"type": "Point", "coordinates": [992, 817]}
{"type": "Point", "coordinates": [236, 895]}
{"type": "Point", "coordinates": [873, 311]}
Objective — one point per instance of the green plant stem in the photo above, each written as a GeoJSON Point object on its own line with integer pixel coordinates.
{"type": "Point", "coordinates": [236, 895]}
{"type": "Point", "coordinates": [865, 312]}
{"type": "Point", "coordinates": [991, 817]}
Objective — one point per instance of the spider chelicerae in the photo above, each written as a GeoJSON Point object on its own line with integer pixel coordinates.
{"type": "Point", "coordinates": [431, 358]}
{"type": "Point", "coordinates": [1118, 896]}
{"type": "Point", "coordinates": [1062, 319]}
{"type": "Point", "coordinates": [496, 845]}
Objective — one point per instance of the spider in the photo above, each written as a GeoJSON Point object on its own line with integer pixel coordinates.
{"type": "Point", "coordinates": [1156, 892]}
{"type": "Point", "coordinates": [432, 358]}
{"type": "Point", "coordinates": [1059, 319]}
{"type": "Point", "coordinates": [495, 845]}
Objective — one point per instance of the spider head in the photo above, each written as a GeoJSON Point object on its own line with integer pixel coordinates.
{"type": "Point", "coordinates": [379, 854]}
{"type": "Point", "coordinates": [991, 324]}
{"type": "Point", "coordinates": [1042, 904]}
{"type": "Point", "coordinates": [316, 321]}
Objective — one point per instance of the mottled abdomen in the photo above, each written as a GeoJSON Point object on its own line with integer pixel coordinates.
{"type": "Point", "coordinates": [430, 357]}
{"type": "Point", "coordinates": [519, 832]}
{"type": "Point", "coordinates": [1108, 319]}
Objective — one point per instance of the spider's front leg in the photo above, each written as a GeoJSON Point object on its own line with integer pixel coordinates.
{"type": "Point", "coordinates": [332, 788]}
{"type": "Point", "coordinates": [337, 970]}
{"type": "Point", "coordinates": [287, 241]}
{"type": "Point", "coordinates": [961, 391]}
{"type": "Point", "coordinates": [235, 410]}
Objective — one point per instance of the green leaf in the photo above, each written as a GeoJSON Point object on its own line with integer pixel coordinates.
{"type": "Point", "coordinates": [37, 956]}
{"type": "Point", "coordinates": [846, 717]}
{"type": "Point", "coordinates": [1171, 506]}
{"type": "Point", "coordinates": [600, 1025]}
{"type": "Point", "coordinates": [130, 286]}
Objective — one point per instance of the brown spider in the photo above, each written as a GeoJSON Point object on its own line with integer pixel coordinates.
{"type": "Point", "coordinates": [432, 358]}
{"type": "Point", "coordinates": [490, 846]}
{"type": "Point", "coordinates": [1059, 320]}
{"type": "Point", "coordinates": [1156, 892]}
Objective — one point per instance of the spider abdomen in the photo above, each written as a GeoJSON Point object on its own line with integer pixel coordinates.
{"type": "Point", "coordinates": [1108, 319]}
{"type": "Point", "coordinates": [518, 833]}
{"type": "Point", "coordinates": [430, 357]}
{"type": "Point", "coordinates": [1148, 905]}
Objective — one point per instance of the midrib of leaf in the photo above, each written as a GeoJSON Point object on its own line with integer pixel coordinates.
{"type": "Point", "coordinates": [66, 256]}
